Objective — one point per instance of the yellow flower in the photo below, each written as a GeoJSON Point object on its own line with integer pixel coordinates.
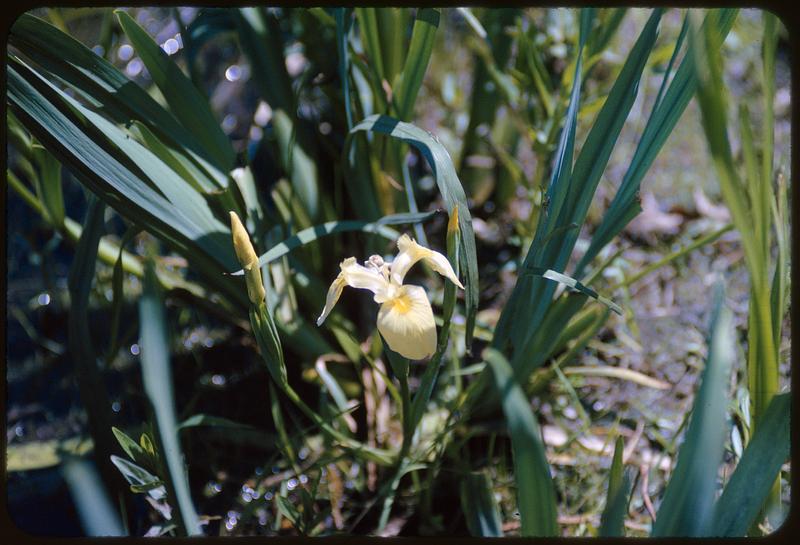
{"type": "Point", "coordinates": [405, 318]}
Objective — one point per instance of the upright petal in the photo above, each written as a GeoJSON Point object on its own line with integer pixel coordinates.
{"type": "Point", "coordinates": [406, 322]}
{"type": "Point", "coordinates": [411, 252]}
{"type": "Point", "coordinates": [356, 276]}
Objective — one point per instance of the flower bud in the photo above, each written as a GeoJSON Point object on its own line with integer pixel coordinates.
{"type": "Point", "coordinates": [248, 259]}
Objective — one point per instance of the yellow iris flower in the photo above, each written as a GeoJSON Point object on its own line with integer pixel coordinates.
{"type": "Point", "coordinates": [405, 318]}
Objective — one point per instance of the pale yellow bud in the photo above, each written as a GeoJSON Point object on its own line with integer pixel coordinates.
{"type": "Point", "coordinates": [452, 223]}
{"type": "Point", "coordinates": [241, 243]}
{"type": "Point", "coordinates": [248, 258]}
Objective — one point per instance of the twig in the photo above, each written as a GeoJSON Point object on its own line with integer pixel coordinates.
{"type": "Point", "coordinates": [644, 470]}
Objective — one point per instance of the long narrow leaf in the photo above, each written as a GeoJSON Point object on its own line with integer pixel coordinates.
{"type": "Point", "coordinates": [46, 113]}
{"type": "Point", "coordinates": [687, 507]}
{"type": "Point", "coordinates": [535, 492]}
{"type": "Point", "coordinates": [612, 522]}
{"type": "Point", "coordinates": [532, 297]}
{"type": "Point", "coordinates": [737, 508]}
{"type": "Point", "coordinates": [481, 511]}
{"type": "Point", "coordinates": [158, 385]}
{"type": "Point", "coordinates": [93, 392]}
{"type": "Point", "coordinates": [185, 101]}
{"type": "Point", "coordinates": [260, 39]}
{"type": "Point", "coordinates": [507, 327]}
{"type": "Point", "coordinates": [120, 98]}
{"type": "Point", "coordinates": [665, 115]}
{"type": "Point", "coordinates": [419, 54]}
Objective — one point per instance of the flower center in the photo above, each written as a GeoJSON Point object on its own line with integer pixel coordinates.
{"type": "Point", "coordinates": [401, 304]}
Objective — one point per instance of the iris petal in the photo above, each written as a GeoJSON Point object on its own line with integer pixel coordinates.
{"type": "Point", "coordinates": [411, 252]}
{"type": "Point", "coordinates": [406, 322]}
{"type": "Point", "coordinates": [356, 276]}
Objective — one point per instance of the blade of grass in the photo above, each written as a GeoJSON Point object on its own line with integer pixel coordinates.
{"type": "Point", "coordinates": [95, 510]}
{"type": "Point", "coordinates": [507, 326]}
{"type": "Point", "coordinates": [749, 485]}
{"type": "Point", "coordinates": [48, 187]}
{"type": "Point", "coordinates": [712, 98]}
{"type": "Point", "coordinates": [665, 115]}
{"type": "Point", "coordinates": [535, 493]}
{"type": "Point", "coordinates": [342, 16]}
{"type": "Point", "coordinates": [612, 521]}
{"type": "Point", "coordinates": [577, 286]}
{"type": "Point", "coordinates": [93, 392]}
{"type": "Point", "coordinates": [687, 507]}
{"type": "Point", "coordinates": [481, 511]}
{"type": "Point", "coordinates": [158, 386]}
{"type": "Point", "coordinates": [531, 298]}
{"type": "Point", "coordinates": [419, 53]}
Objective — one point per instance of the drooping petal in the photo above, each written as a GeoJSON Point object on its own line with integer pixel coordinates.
{"type": "Point", "coordinates": [356, 276]}
{"type": "Point", "coordinates": [406, 322]}
{"type": "Point", "coordinates": [411, 252]}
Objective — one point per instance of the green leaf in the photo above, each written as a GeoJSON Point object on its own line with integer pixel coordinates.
{"type": "Point", "coordinates": [368, 28]}
{"type": "Point", "coordinates": [48, 185]}
{"type": "Point", "coordinates": [118, 295]}
{"type": "Point", "coordinates": [183, 167]}
{"type": "Point", "coordinates": [536, 499]}
{"type": "Point", "coordinates": [419, 54]}
{"type": "Point", "coordinates": [99, 80]}
{"type": "Point", "coordinates": [486, 97]}
{"type": "Point", "coordinates": [481, 511]}
{"type": "Point", "coordinates": [749, 485]}
{"type": "Point", "coordinates": [269, 342]}
{"type": "Point", "coordinates": [139, 477]}
{"type": "Point", "coordinates": [508, 326]}
{"type": "Point", "coordinates": [185, 101]}
{"type": "Point", "coordinates": [97, 514]}
{"type": "Point", "coordinates": [92, 388]}
{"type": "Point", "coordinates": [341, 15]}
{"type": "Point", "coordinates": [332, 386]}
{"type": "Point", "coordinates": [288, 510]}
{"type": "Point", "coordinates": [56, 122]}
{"type": "Point", "coordinates": [131, 447]}
{"type": "Point", "coordinates": [206, 420]}
{"type": "Point", "coordinates": [687, 507]}
{"type": "Point", "coordinates": [260, 39]}
{"type": "Point", "coordinates": [568, 200]}
{"type": "Point", "coordinates": [662, 120]}
{"type": "Point", "coordinates": [577, 286]}
{"type": "Point", "coordinates": [157, 380]}
{"type": "Point", "coordinates": [452, 194]}
{"type": "Point", "coordinates": [612, 521]}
